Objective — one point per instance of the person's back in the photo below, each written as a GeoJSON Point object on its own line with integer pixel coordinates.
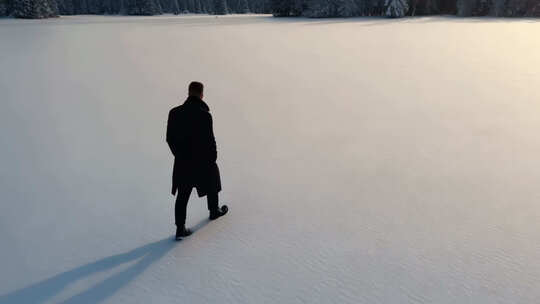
{"type": "Point", "coordinates": [190, 132]}
{"type": "Point", "coordinates": [191, 139]}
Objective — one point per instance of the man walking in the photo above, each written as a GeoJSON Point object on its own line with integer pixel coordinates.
{"type": "Point", "coordinates": [191, 138]}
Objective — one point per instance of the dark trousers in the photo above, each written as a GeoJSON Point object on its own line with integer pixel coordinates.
{"type": "Point", "coordinates": [182, 198]}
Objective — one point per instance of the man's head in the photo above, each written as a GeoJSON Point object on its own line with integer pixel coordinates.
{"type": "Point", "coordinates": [196, 89]}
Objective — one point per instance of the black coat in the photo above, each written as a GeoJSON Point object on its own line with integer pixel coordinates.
{"type": "Point", "coordinates": [191, 139]}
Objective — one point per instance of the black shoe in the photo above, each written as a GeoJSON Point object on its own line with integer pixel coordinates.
{"type": "Point", "coordinates": [182, 232]}
{"type": "Point", "coordinates": [214, 214]}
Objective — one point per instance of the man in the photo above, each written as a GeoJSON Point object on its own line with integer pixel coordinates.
{"type": "Point", "coordinates": [191, 139]}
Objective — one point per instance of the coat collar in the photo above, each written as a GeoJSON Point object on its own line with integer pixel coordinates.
{"type": "Point", "coordinates": [197, 102]}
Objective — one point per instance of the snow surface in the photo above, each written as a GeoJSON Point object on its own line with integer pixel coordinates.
{"type": "Point", "coordinates": [363, 160]}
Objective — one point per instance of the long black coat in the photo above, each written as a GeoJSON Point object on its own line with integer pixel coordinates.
{"type": "Point", "coordinates": [191, 139]}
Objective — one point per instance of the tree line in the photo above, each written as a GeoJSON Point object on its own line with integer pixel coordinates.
{"type": "Point", "coordinates": [279, 8]}
{"type": "Point", "coordinates": [401, 8]}
{"type": "Point", "coordinates": [52, 8]}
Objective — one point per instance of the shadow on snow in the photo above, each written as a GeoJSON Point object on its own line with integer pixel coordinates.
{"type": "Point", "coordinates": [48, 288]}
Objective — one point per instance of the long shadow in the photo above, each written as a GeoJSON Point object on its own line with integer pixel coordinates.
{"type": "Point", "coordinates": [48, 288]}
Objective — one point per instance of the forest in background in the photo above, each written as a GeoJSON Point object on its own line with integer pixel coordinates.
{"type": "Point", "coordinates": [52, 8]}
{"type": "Point", "coordinates": [401, 8]}
{"type": "Point", "coordinates": [279, 8]}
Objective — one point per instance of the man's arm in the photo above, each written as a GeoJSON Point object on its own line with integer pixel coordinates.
{"type": "Point", "coordinates": [211, 140]}
{"type": "Point", "coordinates": [170, 134]}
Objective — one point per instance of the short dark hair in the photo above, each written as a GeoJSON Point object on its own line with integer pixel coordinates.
{"type": "Point", "coordinates": [195, 88]}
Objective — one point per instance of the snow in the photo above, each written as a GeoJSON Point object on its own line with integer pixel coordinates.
{"type": "Point", "coordinates": [364, 160]}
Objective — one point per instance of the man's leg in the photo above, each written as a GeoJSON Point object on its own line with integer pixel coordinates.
{"type": "Point", "coordinates": [212, 200]}
{"type": "Point", "coordinates": [180, 207]}
{"type": "Point", "coordinates": [213, 206]}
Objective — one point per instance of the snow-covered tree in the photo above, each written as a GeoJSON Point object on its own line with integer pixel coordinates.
{"type": "Point", "coordinates": [34, 9]}
{"type": "Point", "coordinates": [396, 8]}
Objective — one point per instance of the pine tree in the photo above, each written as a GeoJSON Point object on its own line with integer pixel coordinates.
{"type": "Point", "coordinates": [183, 6]}
{"type": "Point", "coordinates": [260, 6]}
{"type": "Point", "coordinates": [396, 8]}
{"type": "Point", "coordinates": [516, 8]}
{"type": "Point", "coordinates": [330, 8]}
{"type": "Point", "coordinates": [107, 7]}
{"type": "Point", "coordinates": [206, 6]}
{"type": "Point", "coordinates": [220, 7]}
{"type": "Point", "coordinates": [464, 7]}
{"type": "Point", "coordinates": [150, 7]}
{"type": "Point", "coordinates": [53, 6]}
{"type": "Point", "coordinates": [66, 7]}
{"type": "Point", "coordinates": [281, 8]}
{"type": "Point", "coordinates": [165, 5]}
{"type": "Point", "coordinates": [175, 8]}
{"type": "Point", "coordinates": [94, 7]}
{"type": "Point", "coordinates": [497, 9]}
{"type": "Point", "coordinates": [197, 7]}
{"type": "Point", "coordinates": [143, 7]}
{"type": "Point", "coordinates": [23, 8]}
{"type": "Point", "coordinates": [346, 8]}
{"type": "Point", "coordinates": [317, 9]}
{"type": "Point", "coordinates": [82, 7]}
{"type": "Point", "coordinates": [121, 6]}
{"type": "Point", "coordinates": [131, 7]}
{"type": "Point", "coordinates": [243, 7]}
{"type": "Point", "coordinates": [448, 7]}
{"type": "Point", "coordinates": [34, 9]}
{"type": "Point", "coordinates": [423, 7]}
{"type": "Point", "coordinates": [3, 8]}
{"type": "Point", "coordinates": [533, 9]}
{"type": "Point", "coordinates": [286, 8]}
